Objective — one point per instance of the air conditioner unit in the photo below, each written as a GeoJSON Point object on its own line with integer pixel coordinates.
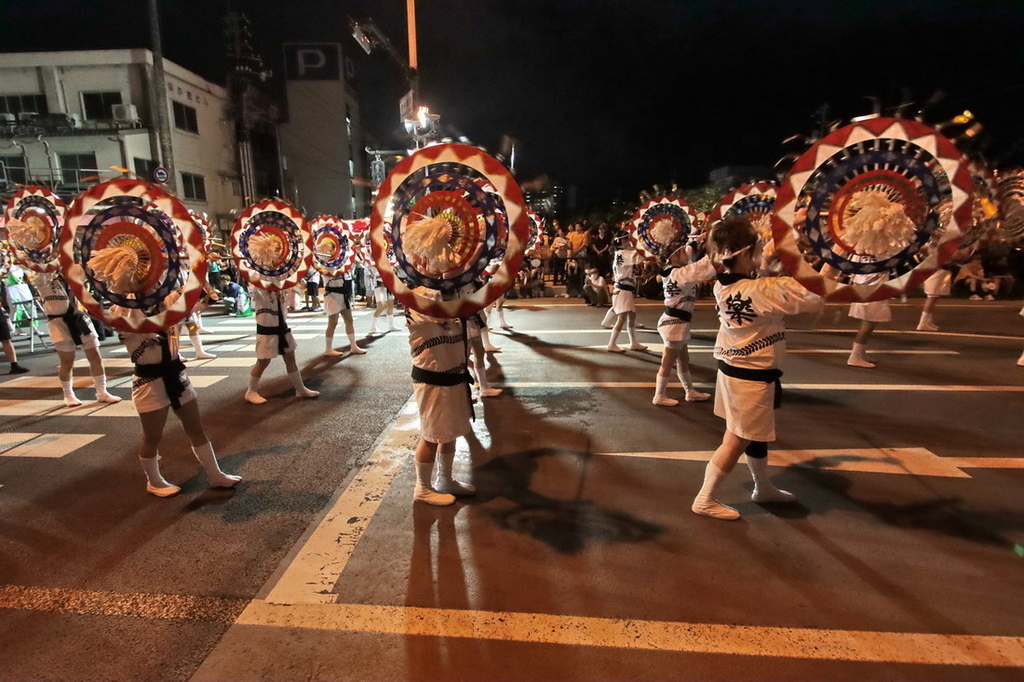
{"type": "Point", "coordinates": [75, 120]}
{"type": "Point", "coordinates": [125, 112]}
{"type": "Point", "coordinates": [7, 119]}
{"type": "Point", "coordinates": [27, 115]}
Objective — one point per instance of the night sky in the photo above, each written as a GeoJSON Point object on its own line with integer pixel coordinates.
{"type": "Point", "coordinates": [617, 95]}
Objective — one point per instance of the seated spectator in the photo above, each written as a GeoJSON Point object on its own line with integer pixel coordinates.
{"type": "Point", "coordinates": [595, 290]}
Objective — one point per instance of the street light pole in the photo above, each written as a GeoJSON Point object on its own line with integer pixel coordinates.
{"type": "Point", "coordinates": [160, 98]}
{"type": "Point", "coordinates": [410, 13]}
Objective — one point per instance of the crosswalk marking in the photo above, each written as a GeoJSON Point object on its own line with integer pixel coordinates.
{"type": "Point", "coordinates": [539, 628]}
{"type": "Point", "coordinates": [659, 348]}
{"type": "Point", "coordinates": [38, 407]}
{"type": "Point", "coordinates": [909, 461]}
{"type": "Point", "coordinates": [944, 388]}
{"type": "Point", "coordinates": [302, 597]}
{"type": "Point", "coordinates": [84, 382]}
{"type": "Point", "coordinates": [49, 445]}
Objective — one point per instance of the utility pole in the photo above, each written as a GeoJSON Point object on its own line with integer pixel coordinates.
{"type": "Point", "coordinates": [245, 67]}
{"type": "Point", "coordinates": [160, 99]}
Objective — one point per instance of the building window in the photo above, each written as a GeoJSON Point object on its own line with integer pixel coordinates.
{"type": "Point", "coordinates": [99, 106]}
{"type": "Point", "coordinates": [144, 169]}
{"type": "Point", "coordinates": [12, 171]}
{"type": "Point", "coordinates": [74, 167]}
{"type": "Point", "coordinates": [185, 118]}
{"type": "Point", "coordinates": [18, 104]}
{"type": "Point", "coordinates": [193, 187]}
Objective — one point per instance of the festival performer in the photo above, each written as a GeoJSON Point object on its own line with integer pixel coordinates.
{"type": "Point", "coordinates": [750, 343]}
{"type": "Point", "coordinates": [680, 282]}
{"type": "Point", "coordinates": [476, 333]}
{"type": "Point", "coordinates": [939, 284]}
{"type": "Point", "coordinates": [113, 242]}
{"type": "Point", "coordinates": [194, 323]}
{"type": "Point", "coordinates": [273, 245]}
{"type": "Point", "coordinates": [71, 329]}
{"type": "Point", "coordinates": [622, 298]}
{"type": "Point", "coordinates": [870, 315]}
{"type": "Point", "coordinates": [384, 305]}
{"type": "Point", "coordinates": [338, 302]}
{"type": "Point", "coordinates": [440, 377]}
{"type": "Point", "coordinates": [273, 338]}
{"type": "Point", "coordinates": [160, 383]}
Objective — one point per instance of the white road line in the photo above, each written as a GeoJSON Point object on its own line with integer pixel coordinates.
{"type": "Point", "coordinates": [83, 382]}
{"type": "Point", "coordinates": [311, 576]}
{"type": "Point", "coordinates": [55, 408]}
{"type": "Point", "coordinates": [910, 461]}
{"type": "Point", "coordinates": [50, 445]}
{"type": "Point", "coordinates": [803, 643]}
{"type": "Point", "coordinates": [950, 388]}
{"type": "Point", "coordinates": [518, 331]}
{"type": "Point", "coordinates": [659, 348]}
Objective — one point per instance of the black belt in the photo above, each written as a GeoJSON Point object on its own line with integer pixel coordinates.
{"type": "Point", "coordinates": [343, 291]}
{"type": "Point", "coordinates": [625, 287]}
{"type": "Point", "coordinates": [168, 370]}
{"type": "Point", "coordinates": [426, 376]}
{"type": "Point", "coordinates": [679, 313]}
{"type": "Point", "coordinates": [768, 376]}
{"type": "Point", "coordinates": [279, 331]}
{"type": "Point", "coordinates": [76, 324]}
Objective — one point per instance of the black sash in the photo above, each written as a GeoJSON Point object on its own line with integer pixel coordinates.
{"type": "Point", "coordinates": [679, 313]}
{"type": "Point", "coordinates": [279, 330]}
{"type": "Point", "coordinates": [168, 370]}
{"type": "Point", "coordinates": [768, 376]}
{"type": "Point", "coordinates": [625, 287]}
{"type": "Point", "coordinates": [426, 376]}
{"type": "Point", "coordinates": [76, 324]}
{"type": "Point", "coordinates": [343, 290]}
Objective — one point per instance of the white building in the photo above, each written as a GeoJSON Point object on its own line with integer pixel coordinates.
{"type": "Point", "coordinates": [70, 119]}
{"type": "Point", "coordinates": [322, 142]}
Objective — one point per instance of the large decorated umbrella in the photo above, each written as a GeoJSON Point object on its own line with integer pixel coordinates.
{"type": "Point", "coordinates": [887, 202]}
{"type": "Point", "coordinates": [753, 201]}
{"type": "Point", "coordinates": [35, 216]}
{"type": "Point", "coordinates": [272, 244]}
{"type": "Point", "coordinates": [205, 229]}
{"type": "Point", "coordinates": [134, 245]}
{"type": "Point", "coordinates": [661, 225]}
{"type": "Point", "coordinates": [333, 249]}
{"type": "Point", "coordinates": [448, 211]}
{"type": "Point", "coordinates": [1011, 202]}
{"type": "Point", "coordinates": [985, 209]}
{"type": "Point", "coordinates": [536, 230]}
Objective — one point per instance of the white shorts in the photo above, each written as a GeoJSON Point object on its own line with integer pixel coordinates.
{"type": "Point", "coordinates": [444, 412]}
{"type": "Point", "coordinates": [334, 303]}
{"type": "Point", "coordinates": [674, 332]}
{"type": "Point", "coordinates": [939, 283]}
{"type": "Point", "coordinates": [748, 407]}
{"type": "Point", "coordinates": [875, 311]}
{"type": "Point", "coordinates": [622, 302]}
{"type": "Point", "coordinates": [266, 346]}
{"type": "Point", "coordinates": [61, 339]}
{"type": "Point", "coordinates": [152, 395]}
{"type": "Point", "coordinates": [381, 295]}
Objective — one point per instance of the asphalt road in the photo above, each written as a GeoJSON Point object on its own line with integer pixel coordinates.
{"type": "Point", "coordinates": [577, 559]}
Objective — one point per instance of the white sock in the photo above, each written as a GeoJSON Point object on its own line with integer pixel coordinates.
{"type": "Point", "coordinates": [69, 392]}
{"type": "Point", "coordinates": [686, 380]}
{"type": "Point", "coordinates": [444, 482]}
{"type": "Point", "coordinates": [155, 482]}
{"type": "Point", "coordinates": [254, 384]}
{"type": "Point", "coordinates": [764, 489]}
{"type": "Point", "coordinates": [424, 473]}
{"type": "Point", "coordinates": [300, 388]}
{"type": "Point", "coordinates": [217, 478]}
{"type": "Point", "coordinates": [661, 386]}
{"type": "Point", "coordinates": [713, 477]}
{"type": "Point", "coordinates": [328, 343]}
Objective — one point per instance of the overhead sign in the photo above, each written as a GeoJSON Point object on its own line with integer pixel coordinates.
{"type": "Point", "coordinates": [161, 175]}
{"type": "Point", "coordinates": [312, 61]}
{"type": "Point", "coordinates": [406, 107]}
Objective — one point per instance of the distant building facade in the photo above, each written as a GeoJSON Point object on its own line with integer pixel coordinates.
{"type": "Point", "coordinates": [70, 119]}
{"type": "Point", "coordinates": [322, 143]}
